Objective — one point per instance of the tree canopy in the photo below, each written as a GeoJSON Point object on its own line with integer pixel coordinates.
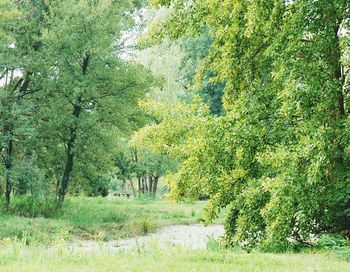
{"type": "Point", "coordinates": [245, 103]}
{"type": "Point", "coordinates": [279, 156]}
{"type": "Point", "coordinates": [68, 92]}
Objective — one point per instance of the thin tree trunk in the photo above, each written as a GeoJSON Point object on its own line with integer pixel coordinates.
{"type": "Point", "coordinates": [150, 183]}
{"type": "Point", "coordinates": [340, 76]}
{"type": "Point", "coordinates": [70, 155]}
{"type": "Point", "coordinates": [8, 133]}
{"type": "Point", "coordinates": [11, 87]}
{"type": "Point", "coordinates": [68, 167]}
{"type": "Point", "coordinates": [8, 168]}
{"type": "Point", "coordinates": [155, 185]}
{"type": "Point", "coordinates": [139, 186]}
{"type": "Point", "coordinates": [145, 185]}
{"type": "Point", "coordinates": [8, 126]}
{"type": "Point", "coordinates": [133, 188]}
{"type": "Point", "coordinates": [123, 187]}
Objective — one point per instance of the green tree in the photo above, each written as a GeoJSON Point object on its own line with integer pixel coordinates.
{"type": "Point", "coordinates": [20, 56]}
{"type": "Point", "coordinates": [69, 93]}
{"type": "Point", "coordinates": [279, 158]}
{"type": "Point", "coordinates": [97, 90]}
{"type": "Point", "coordinates": [195, 49]}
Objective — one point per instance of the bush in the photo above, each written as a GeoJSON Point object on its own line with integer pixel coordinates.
{"type": "Point", "coordinates": [99, 190]}
{"type": "Point", "coordinates": [214, 244]}
{"type": "Point", "coordinates": [337, 244]}
{"type": "Point", "coordinates": [142, 227]}
{"type": "Point", "coordinates": [329, 241]}
{"type": "Point", "coordinates": [30, 206]}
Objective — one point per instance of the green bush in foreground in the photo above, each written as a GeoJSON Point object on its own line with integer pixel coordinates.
{"type": "Point", "coordinates": [337, 244]}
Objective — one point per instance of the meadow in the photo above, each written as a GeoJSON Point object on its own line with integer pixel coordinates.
{"type": "Point", "coordinates": [16, 258]}
{"type": "Point", "coordinates": [96, 219]}
{"type": "Point", "coordinates": [45, 244]}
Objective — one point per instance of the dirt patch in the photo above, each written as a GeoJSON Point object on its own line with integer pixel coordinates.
{"type": "Point", "coordinates": [190, 236]}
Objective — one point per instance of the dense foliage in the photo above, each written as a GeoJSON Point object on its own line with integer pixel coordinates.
{"type": "Point", "coordinates": [279, 156]}
{"type": "Point", "coordinates": [250, 109]}
{"type": "Point", "coordinates": [66, 93]}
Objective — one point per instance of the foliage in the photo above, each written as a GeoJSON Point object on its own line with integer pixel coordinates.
{"type": "Point", "coordinates": [337, 244]}
{"type": "Point", "coordinates": [195, 50]}
{"type": "Point", "coordinates": [31, 206]}
{"type": "Point", "coordinates": [279, 157]}
{"type": "Point", "coordinates": [68, 96]}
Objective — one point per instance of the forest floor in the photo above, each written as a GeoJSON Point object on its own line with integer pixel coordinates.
{"type": "Point", "coordinates": [93, 234]}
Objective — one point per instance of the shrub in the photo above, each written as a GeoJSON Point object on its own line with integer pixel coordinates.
{"type": "Point", "coordinates": [329, 241]}
{"type": "Point", "coordinates": [335, 243]}
{"type": "Point", "coordinates": [31, 206]}
{"type": "Point", "coordinates": [142, 227]}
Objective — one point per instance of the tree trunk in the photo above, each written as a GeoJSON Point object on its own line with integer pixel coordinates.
{"type": "Point", "coordinates": [8, 133]}
{"type": "Point", "coordinates": [150, 187]}
{"type": "Point", "coordinates": [8, 169]}
{"type": "Point", "coordinates": [133, 188]}
{"type": "Point", "coordinates": [145, 187]}
{"type": "Point", "coordinates": [8, 189]}
{"type": "Point", "coordinates": [70, 153]}
{"type": "Point", "coordinates": [155, 185]}
{"type": "Point", "coordinates": [72, 139]}
{"type": "Point", "coordinates": [339, 75]}
{"type": "Point", "coordinates": [139, 186]}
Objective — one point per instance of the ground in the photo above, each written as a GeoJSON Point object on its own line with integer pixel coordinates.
{"type": "Point", "coordinates": [52, 244]}
{"type": "Point", "coordinates": [100, 219]}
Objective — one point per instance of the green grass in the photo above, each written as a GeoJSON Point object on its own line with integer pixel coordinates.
{"type": "Point", "coordinates": [99, 219]}
{"type": "Point", "coordinates": [18, 258]}
{"type": "Point", "coordinates": [44, 244]}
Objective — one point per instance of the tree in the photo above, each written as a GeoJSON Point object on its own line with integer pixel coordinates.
{"type": "Point", "coordinates": [195, 49]}
{"type": "Point", "coordinates": [70, 93]}
{"type": "Point", "coordinates": [97, 90]}
{"type": "Point", "coordinates": [21, 30]}
{"type": "Point", "coordinates": [136, 162]}
{"type": "Point", "coordinates": [279, 158]}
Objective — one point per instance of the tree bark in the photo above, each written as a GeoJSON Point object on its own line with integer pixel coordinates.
{"type": "Point", "coordinates": [145, 186]}
{"type": "Point", "coordinates": [335, 58]}
{"type": "Point", "coordinates": [150, 185]}
{"type": "Point", "coordinates": [70, 152]}
{"type": "Point", "coordinates": [335, 55]}
{"type": "Point", "coordinates": [155, 186]}
{"type": "Point", "coordinates": [133, 188]}
{"type": "Point", "coordinates": [8, 163]}
{"type": "Point", "coordinates": [139, 186]}
{"type": "Point", "coordinates": [11, 86]}
{"type": "Point", "coordinates": [8, 157]}
{"type": "Point", "coordinates": [70, 155]}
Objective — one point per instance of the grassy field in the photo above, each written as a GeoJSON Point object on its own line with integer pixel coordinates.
{"type": "Point", "coordinates": [99, 219]}
{"type": "Point", "coordinates": [44, 244]}
{"type": "Point", "coordinates": [16, 258]}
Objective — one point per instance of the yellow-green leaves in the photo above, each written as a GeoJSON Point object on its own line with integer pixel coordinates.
{"type": "Point", "coordinates": [280, 156]}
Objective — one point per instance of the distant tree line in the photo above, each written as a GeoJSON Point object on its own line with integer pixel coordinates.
{"type": "Point", "coordinates": [140, 170]}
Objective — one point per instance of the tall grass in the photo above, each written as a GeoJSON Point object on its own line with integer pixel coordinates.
{"type": "Point", "coordinates": [15, 257]}
{"type": "Point", "coordinates": [91, 218]}
{"type": "Point", "coordinates": [30, 206]}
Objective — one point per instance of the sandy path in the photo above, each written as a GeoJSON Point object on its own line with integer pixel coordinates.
{"type": "Point", "coordinates": [190, 236]}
